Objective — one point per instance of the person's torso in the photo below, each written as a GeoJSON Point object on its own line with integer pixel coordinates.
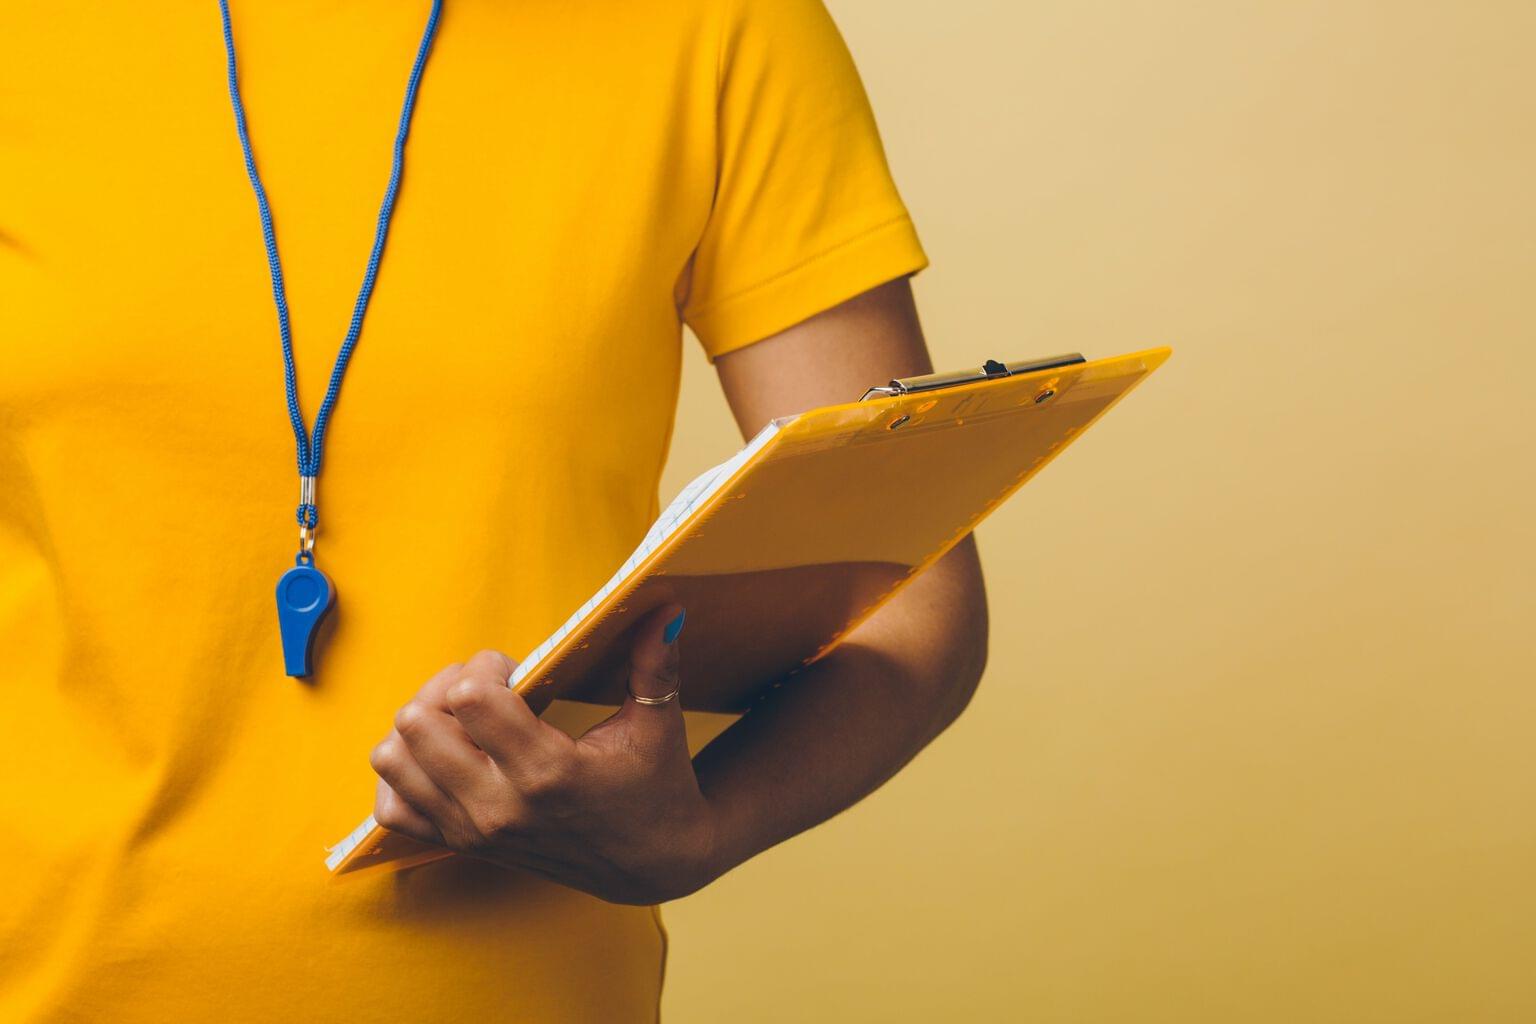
{"type": "Point", "coordinates": [167, 791]}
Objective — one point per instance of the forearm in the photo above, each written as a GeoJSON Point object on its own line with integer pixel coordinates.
{"type": "Point", "coordinates": [839, 729]}
{"type": "Point", "coordinates": [623, 812]}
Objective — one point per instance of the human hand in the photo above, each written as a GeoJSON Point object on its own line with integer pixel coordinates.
{"type": "Point", "coordinates": [617, 813]}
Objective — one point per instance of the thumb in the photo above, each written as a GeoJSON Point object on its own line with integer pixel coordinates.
{"type": "Point", "coordinates": [653, 707]}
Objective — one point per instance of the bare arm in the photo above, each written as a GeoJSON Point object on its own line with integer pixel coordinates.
{"type": "Point", "coordinates": [850, 721]}
{"type": "Point", "coordinates": [623, 812]}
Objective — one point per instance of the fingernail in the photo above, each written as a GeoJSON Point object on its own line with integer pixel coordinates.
{"type": "Point", "coordinates": [674, 627]}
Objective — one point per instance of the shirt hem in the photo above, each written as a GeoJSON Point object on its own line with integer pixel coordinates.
{"type": "Point", "coordinates": [874, 256]}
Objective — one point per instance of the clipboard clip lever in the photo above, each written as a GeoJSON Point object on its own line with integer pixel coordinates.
{"type": "Point", "coordinates": [990, 370]}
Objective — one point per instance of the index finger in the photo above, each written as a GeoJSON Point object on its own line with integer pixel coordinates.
{"type": "Point", "coordinates": [490, 665]}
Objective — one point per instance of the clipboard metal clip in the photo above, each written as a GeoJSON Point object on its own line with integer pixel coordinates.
{"type": "Point", "coordinates": [990, 369]}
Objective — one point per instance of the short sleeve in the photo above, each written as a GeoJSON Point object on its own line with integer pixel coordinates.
{"type": "Point", "coordinates": [805, 212]}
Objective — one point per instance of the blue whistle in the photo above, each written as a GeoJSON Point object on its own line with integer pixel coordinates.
{"type": "Point", "coordinates": [304, 595]}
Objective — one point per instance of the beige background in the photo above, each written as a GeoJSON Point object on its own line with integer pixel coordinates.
{"type": "Point", "coordinates": [1257, 741]}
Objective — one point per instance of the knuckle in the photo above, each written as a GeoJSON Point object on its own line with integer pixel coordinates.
{"type": "Point", "coordinates": [667, 677]}
{"type": "Point", "coordinates": [464, 840]}
{"type": "Point", "coordinates": [660, 671]}
{"type": "Point", "coordinates": [489, 664]}
{"type": "Point", "coordinates": [389, 811]}
{"type": "Point", "coordinates": [410, 718]}
{"type": "Point", "coordinates": [468, 693]}
{"type": "Point", "coordinates": [384, 756]}
{"type": "Point", "coordinates": [546, 780]}
{"type": "Point", "coordinates": [431, 691]}
{"type": "Point", "coordinates": [492, 822]}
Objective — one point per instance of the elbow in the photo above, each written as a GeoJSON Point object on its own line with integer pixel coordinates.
{"type": "Point", "coordinates": [965, 659]}
{"type": "Point", "coordinates": [971, 659]}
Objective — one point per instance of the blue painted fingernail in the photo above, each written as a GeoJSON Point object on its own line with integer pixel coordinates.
{"type": "Point", "coordinates": [674, 627]}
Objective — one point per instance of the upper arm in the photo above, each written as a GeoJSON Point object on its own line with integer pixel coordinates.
{"type": "Point", "coordinates": [831, 357]}
{"type": "Point", "coordinates": [798, 289]}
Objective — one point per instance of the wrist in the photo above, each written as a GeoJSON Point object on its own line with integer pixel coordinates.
{"type": "Point", "coordinates": [689, 852]}
{"type": "Point", "coordinates": [723, 843]}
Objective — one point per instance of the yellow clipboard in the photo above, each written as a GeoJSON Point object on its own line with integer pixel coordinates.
{"type": "Point", "coordinates": [782, 550]}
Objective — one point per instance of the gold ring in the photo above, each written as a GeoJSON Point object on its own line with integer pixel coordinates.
{"type": "Point", "coordinates": [652, 702]}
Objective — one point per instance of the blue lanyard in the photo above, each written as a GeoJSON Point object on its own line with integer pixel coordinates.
{"type": "Point", "coordinates": [311, 448]}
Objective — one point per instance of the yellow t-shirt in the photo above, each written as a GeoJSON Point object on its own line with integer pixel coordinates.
{"type": "Point", "coordinates": [581, 179]}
